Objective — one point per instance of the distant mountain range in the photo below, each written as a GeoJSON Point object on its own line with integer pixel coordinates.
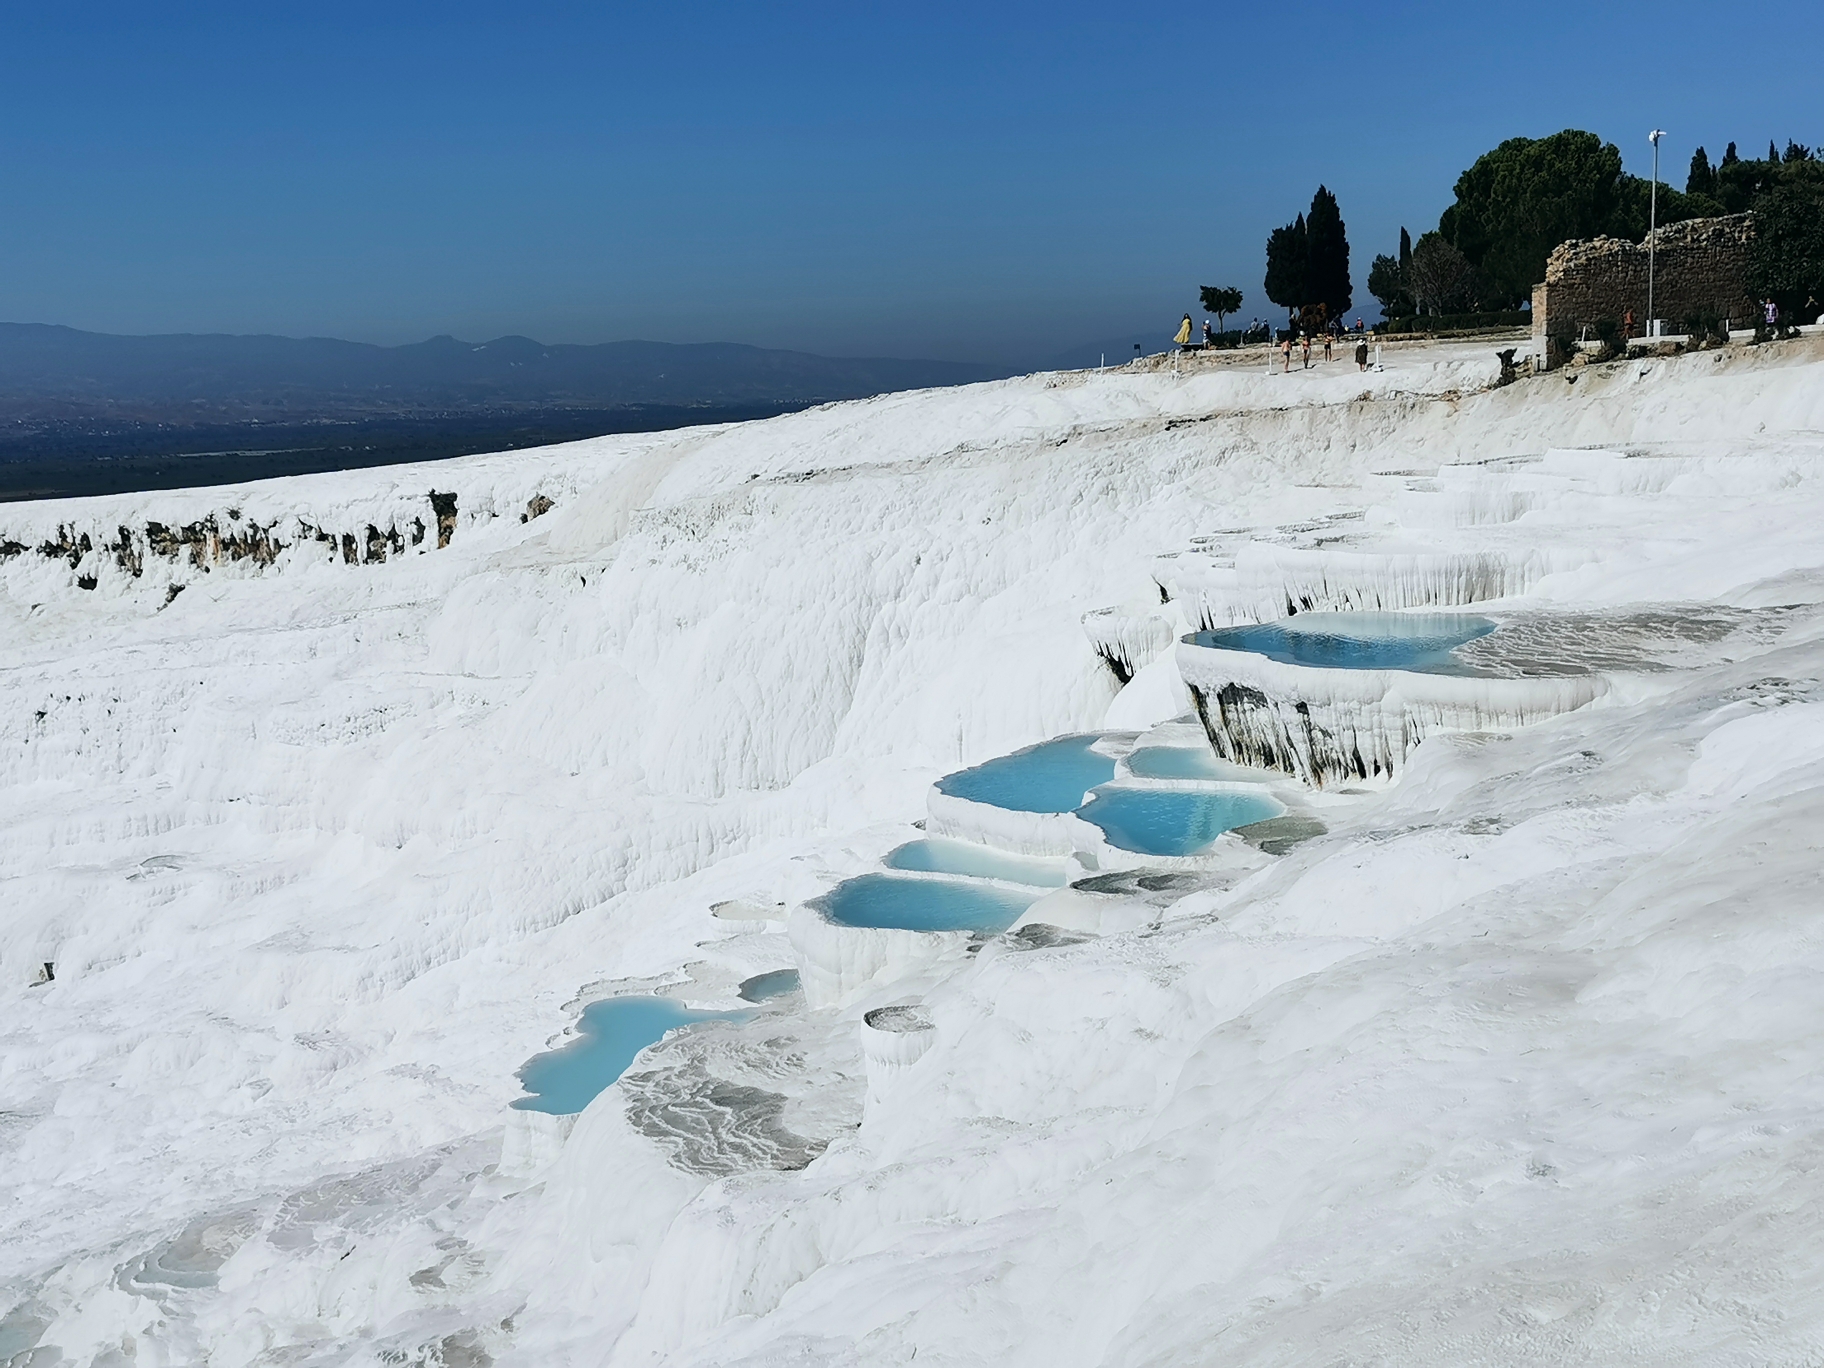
{"type": "Point", "coordinates": [1112, 351]}
{"type": "Point", "coordinates": [49, 372]}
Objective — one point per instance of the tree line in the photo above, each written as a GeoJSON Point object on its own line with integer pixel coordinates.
{"type": "Point", "coordinates": [1528, 195]}
{"type": "Point", "coordinates": [1521, 200]}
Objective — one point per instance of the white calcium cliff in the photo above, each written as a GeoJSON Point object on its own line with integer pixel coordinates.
{"type": "Point", "coordinates": [1514, 1062]}
{"type": "Point", "coordinates": [1337, 725]}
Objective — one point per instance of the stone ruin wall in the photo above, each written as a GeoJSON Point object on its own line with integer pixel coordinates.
{"type": "Point", "coordinates": [1701, 266]}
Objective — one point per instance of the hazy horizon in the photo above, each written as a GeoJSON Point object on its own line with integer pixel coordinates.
{"type": "Point", "coordinates": [990, 186]}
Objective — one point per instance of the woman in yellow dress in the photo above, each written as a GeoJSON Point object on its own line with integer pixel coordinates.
{"type": "Point", "coordinates": [1184, 332]}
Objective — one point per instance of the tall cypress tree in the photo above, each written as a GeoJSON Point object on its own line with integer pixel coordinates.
{"type": "Point", "coordinates": [1702, 178]}
{"type": "Point", "coordinates": [1308, 260]}
{"type": "Point", "coordinates": [1327, 256]}
{"type": "Point", "coordinates": [1405, 251]}
{"type": "Point", "coordinates": [1729, 157]}
{"type": "Point", "coordinates": [1287, 265]}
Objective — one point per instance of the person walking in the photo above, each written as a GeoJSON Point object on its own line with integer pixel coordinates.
{"type": "Point", "coordinates": [1627, 324]}
{"type": "Point", "coordinates": [1361, 354]}
{"type": "Point", "coordinates": [1209, 338]}
{"type": "Point", "coordinates": [1304, 343]}
{"type": "Point", "coordinates": [1183, 338]}
{"type": "Point", "coordinates": [1285, 350]}
{"type": "Point", "coordinates": [1329, 333]}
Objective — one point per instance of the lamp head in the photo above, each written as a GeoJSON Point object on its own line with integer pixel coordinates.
{"type": "Point", "coordinates": [1655, 136]}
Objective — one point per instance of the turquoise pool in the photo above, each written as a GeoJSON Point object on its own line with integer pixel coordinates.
{"type": "Point", "coordinates": [939, 855]}
{"type": "Point", "coordinates": [765, 987]}
{"type": "Point", "coordinates": [895, 902]}
{"type": "Point", "coordinates": [1423, 642]}
{"type": "Point", "coordinates": [1050, 777]}
{"type": "Point", "coordinates": [1179, 762]}
{"type": "Point", "coordinates": [1174, 821]}
{"type": "Point", "coordinates": [611, 1033]}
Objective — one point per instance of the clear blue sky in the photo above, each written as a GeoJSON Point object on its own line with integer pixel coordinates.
{"type": "Point", "coordinates": [976, 181]}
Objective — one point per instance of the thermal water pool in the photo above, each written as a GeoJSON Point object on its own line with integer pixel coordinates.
{"type": "Point", "coordinates": [774, 983]}
{"type": "Point", "coordinates": [611, 1033]}
{"type": "Point", "coordinates": [1422, 642]}
{"type": "Point", "coordinates": [898, 903]}
{"type": "Point", "coordinates": [1149, 821]}
{"type": "Point", "coordinates": [1052, 776]}
{"type": "Point", "coordinates": [940, 855]}
{"type": "Point", "coordinates": [1180, 762]}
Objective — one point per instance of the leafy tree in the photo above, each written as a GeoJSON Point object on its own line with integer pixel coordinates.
{"type": "Point", "coordinates": [1741, 184]}
{"type": "Point", "coordinates": [1286, 265]}
{"type": "Point", "coordinates": [1525, 197]}
{"type": "Point", "coordinates": [1528, 195]}
{"type": "Point", "coordinates": [1221, 300]}
{"type": "Point", "coordinates": [1634, 208]}
{"type": "Point", "coordinates": [1788, 255]}
{"type": "Point", "coordinates": [1702, 177]}
{"type": "Point", "coordinates": [1441, 278]}
{"type": "Point", "coordinates": [1308, 260]}
{"type": "Point", "coordinates": [1327, 255]}
{"type": "Point", "coordinates": [1387, 282]}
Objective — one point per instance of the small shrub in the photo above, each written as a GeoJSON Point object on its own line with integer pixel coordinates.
{"type": "Point", "coordinates": [1706, 328]}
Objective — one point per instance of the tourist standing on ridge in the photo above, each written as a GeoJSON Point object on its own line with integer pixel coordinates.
{"type": "Point", "coordinates": [1361, 354]}
{"type": "Point", "coordinates": [1209, 338]}
{"type": "Point", "coordinates": [1183, 338]}
{"type": "Point", "coordinates": [1304, 343]}
{"type": "Point", "coordinates": [1285, 350]}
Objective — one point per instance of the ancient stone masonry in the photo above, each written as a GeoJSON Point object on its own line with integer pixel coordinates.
{"type": "Point", "coordinates": [1700, 267]}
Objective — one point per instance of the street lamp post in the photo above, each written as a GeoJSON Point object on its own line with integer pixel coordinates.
{"type": "Point", "coordinates": [1653, 225]}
